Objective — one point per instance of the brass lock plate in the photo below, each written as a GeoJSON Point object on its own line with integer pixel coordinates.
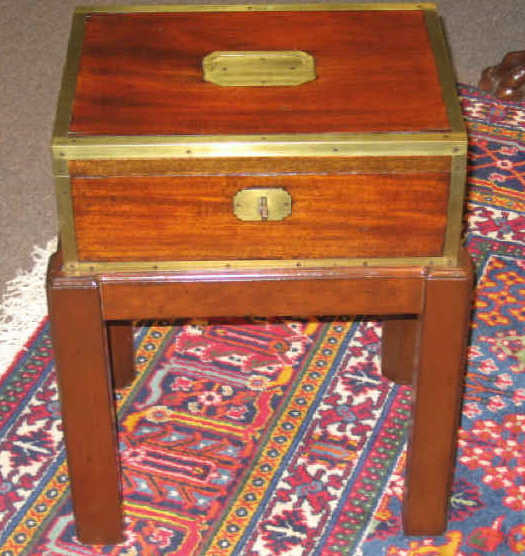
{"type": "Point", "coordinates": [262, 204]}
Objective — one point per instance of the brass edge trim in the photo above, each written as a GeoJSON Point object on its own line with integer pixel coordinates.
{"type": "Point", "coordinates": [66, 221]}
{"type": "Point", "coordinates": [69, 77]}
{"type": "Point", "coordinates": [445, 71]}
{"type": "Point", "coordinates": [60, 167]}
{"type": "Point", "coordinates": [338, 6]}
{"type": "Point", "coordinates": [453, 235]}
{"type": "Point", "coordinates": [78, 268]}
{"type": "Point", "coordinates": [352, 144]}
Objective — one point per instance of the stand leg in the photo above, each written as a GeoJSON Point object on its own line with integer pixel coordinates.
{"type": "Point", "coordinates": [438, 387]}
{"type": "Point", "coordinates": [80, 345]}
{"type": "Point", "coordinates": [120, 335]}
{"type": "Point", "coordinates": [399, 349]}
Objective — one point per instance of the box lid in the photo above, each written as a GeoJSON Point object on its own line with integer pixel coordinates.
{"type": "Point", "coordinates": [378, 81]}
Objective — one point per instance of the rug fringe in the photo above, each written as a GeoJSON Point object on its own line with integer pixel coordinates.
{"type": "Point", "coordinates": [23, 305]}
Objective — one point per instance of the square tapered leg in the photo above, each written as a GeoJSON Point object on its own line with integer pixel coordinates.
{"type": "Point", "coordinates": [438, 389]}
{"type": "Point", "coordinates": [88, 415]}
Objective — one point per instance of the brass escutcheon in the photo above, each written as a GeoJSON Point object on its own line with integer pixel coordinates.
{"type": "Point", "coordinates": [262, 204]}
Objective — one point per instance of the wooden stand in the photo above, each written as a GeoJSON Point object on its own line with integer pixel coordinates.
{"type": "Point", "coordinates": [423, 344]}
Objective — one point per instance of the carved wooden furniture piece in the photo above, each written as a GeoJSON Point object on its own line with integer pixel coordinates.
{"type": "Point", "coordinates": [506, 80]}
{"type": "Point", "coordinates": [229, 161]}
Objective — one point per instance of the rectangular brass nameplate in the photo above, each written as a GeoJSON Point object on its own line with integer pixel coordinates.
{"type": "Point", "coordinates": [272, 68]}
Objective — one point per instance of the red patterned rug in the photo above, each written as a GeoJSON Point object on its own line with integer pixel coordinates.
{"type": "Point", "coordinates": [280, 437]}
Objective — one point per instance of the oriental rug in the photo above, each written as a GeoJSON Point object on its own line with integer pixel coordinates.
{"type": "Point", "coordinates": [280, 437]}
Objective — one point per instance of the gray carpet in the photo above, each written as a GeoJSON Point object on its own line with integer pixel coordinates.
{"type": "Point", "coordinates": [33, 39]}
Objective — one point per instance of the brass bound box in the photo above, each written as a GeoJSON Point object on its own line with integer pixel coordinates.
{"type": "Point", "coordinates": [255, 136]}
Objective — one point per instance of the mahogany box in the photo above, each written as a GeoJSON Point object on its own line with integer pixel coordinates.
{"type": "Point", "coordinates": [257, 136]}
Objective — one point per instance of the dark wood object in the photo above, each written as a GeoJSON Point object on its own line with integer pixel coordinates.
{"type": "Point", "coordinates": [399, 348]}
{"type": "Point", "coordinates": [150, 158]}
{"type": "Point", "coordinates": [120, 339]}
{"type": "Point", "coordinates": [150, 97]}
{"type": "Point", "coordinates": [145, 147]}
{"type": "Point", "coordinates": [506, 81]}
{"type": "Point", "coordinates": [191, 217]}
{"type": "Point", "coordinates": [84, 310]}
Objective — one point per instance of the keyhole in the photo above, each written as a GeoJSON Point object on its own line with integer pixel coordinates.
{"type": "Point", "coordinates": [263, 208]}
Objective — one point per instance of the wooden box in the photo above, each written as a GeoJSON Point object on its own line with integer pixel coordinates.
{"type": "Point", "coordinates": [255, 136]}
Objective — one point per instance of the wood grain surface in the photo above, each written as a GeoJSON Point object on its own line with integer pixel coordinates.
{"type": "Point", "coordinates": [253, 166]}
{"type": "Point", "coordinates": [398, 348]}
{"type": "Point", "coordinates": [191, 218]}
{"type": "Point", "coordinates": [306, 297]}
{"type": "Point", "coordinates": [432, 356]}
{"type": "Point", "coordinates": [141, 74]}
{"type": "Point", "coordinates": [88, 414]}
{"type": "Point", "coordinates": [438, 382]}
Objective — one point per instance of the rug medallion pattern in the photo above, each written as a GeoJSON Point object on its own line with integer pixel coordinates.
{"type": "Point", "coordinates": [281, 437]}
